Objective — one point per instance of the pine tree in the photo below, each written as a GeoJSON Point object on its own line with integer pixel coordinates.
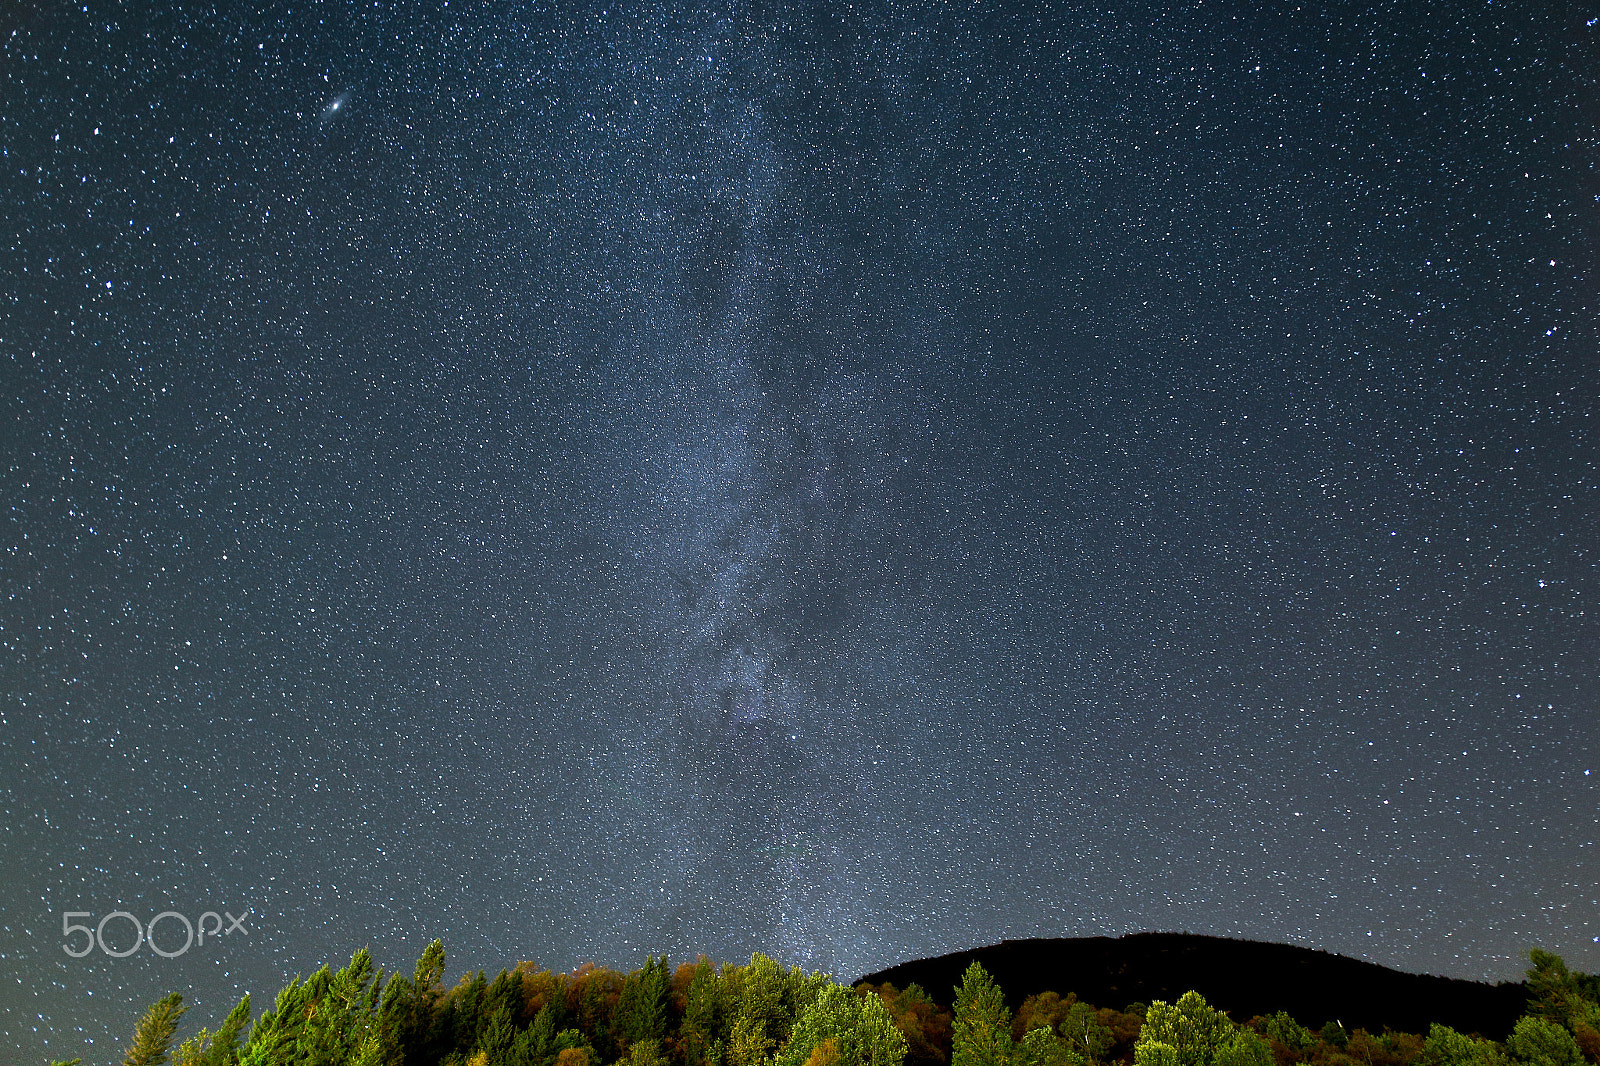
{"type": "Point", "coordinates": [702, 1016]}
{"type": "Point", "coordinates": [1537, 1042]}
{"type": "Point", "coordinates": [526, 1049]}
{"type": "Point", "coordinates": [466, 1010]}
{"type": "Point", "coordinates": [497, 1034]}
{"type": "Point", "coordinates": [880, 1041]}
{"type": "Point", "coordinates": [430, 968]}
{"type": "Point", "coordinates": [748, 1043]}
{"type": "Point", "coordinates": [153, 1036]}
{"type": "Point", "coordinates": [642, 1007]}
{"type": "Point", "coordinates": [766, 1005]}
{"type": "Point", "coordinates": [276, 1034]}
{"type": "Point", "coordinates": [224, 1050]}
{"type": "Point", "coordinates": [981, 1035]}
{"type": "Point", "coordinates": [1040, 1046]}
{"type": "Point", "coordinates": [1191, 1028]}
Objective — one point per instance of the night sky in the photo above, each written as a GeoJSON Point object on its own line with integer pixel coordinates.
{"type": "Point", "coordinates": [849, 482]}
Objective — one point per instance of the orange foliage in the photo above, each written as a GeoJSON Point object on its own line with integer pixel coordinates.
{"type": "Point", "coordinates": [592, 994]}
{"type": "Point", "coordinates": [1043, 1010]}
{"type": "Point", "coordinates": [540, 988]}
{"type": "Point", "coordinates": [1390, 1049]}
{"type": "Point", "coordinates": [925, 1024]}
{"type": "Point", "coordinates": [825, 1054]}
{"type": "Point", "coordinates": [1588, 1040]}
{"type": "Point", "coordinates": [1124, 1030]}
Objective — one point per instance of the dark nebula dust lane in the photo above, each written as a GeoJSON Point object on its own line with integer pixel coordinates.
{"type": "Point", "coordinates": [849, 482]}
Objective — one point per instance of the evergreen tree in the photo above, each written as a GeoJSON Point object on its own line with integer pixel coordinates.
{"type": "Point", "coordinates": [525, 1049]}
{"type": "Point", "coordinates": [641, 1013]}
{"type": "Point", "coordinates": [192, 1052]}
{"type": "Point", "coordinates": [497, 1034]}
{"type": "Point", "coordinates": [1191, 1028]}
{"type": "Point", "coordinates": [507, 992]}
{"type": "Point", "coordinates": [152, 1037]}
{"type": "Point", "coordinates": [1446, 1047]}
{"type": "Point", "coordinates": [981, 1032]}
{"type": "Point", "coordinates": [224, 1049]}
{"type": "Point", "coordinates": [465, 1008]}
{"type": "Point", "coordinates": [396, 1016]}
{"type": "Point", "coordinates": [1040, 1046]}
{"type": "Point", "coordinates": [1286, 1031]}
{"type": "Point", "coordinates": [370, 1052]}
{"type": "Point", "coordinates": [748, 1042]}
{"type": "Point", "coordinates": [1537, 1042]}
{"type": "Point", "coordinates": [220, 1048]}
{"type": "Point", "coordinates": [430, 968]}
{"type": "Point", "coordinates": [1565, 998]}
{"type": "Point", "coordinates": [703, 1015]}
{"type": "Point", "coordinates": [766, 1005]}
{"type": "Point", "coordinates": [274, 1037]}
{"type": "Point", "coordinates": [342, 1006]}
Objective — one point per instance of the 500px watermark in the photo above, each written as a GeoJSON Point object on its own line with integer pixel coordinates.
{"type": "Point", "coordinates": [146, 934]}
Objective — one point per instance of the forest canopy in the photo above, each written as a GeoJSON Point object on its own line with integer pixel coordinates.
{"type": "Point", "coordinates": [761, 1014]}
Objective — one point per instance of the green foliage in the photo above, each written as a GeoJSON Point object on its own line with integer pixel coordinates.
{"type": "Point", "coordinates": [1046, 1010]}
{"type": "Point", "coordinates": [645, 1053]}
{"type": "Point", "coordinates": [1040, 1046]}
{"type": "Point", "coordinates": [273, 1037]}
{"type": "Point", "coordinates": [748, 1042]}
{"type": "Point", "coordinates": [704, 1011]}
{"type": "Point", "coordinates": [192, 1052]}
{"type": "Point", "coordinates": [1086, 1034]}
{"type": "Point", "coordinates": [430, 968]}
{"type": "Point", "coordinates": [1192, 1028]}
{"type": "Point", "coordinates": [328, 1020]}
{"type": "Point", "coordinates": [1155, 1053]}
{"type": "Point", "coordinates": [152, 1037]}
{"type": "Point", "coordinates": [767, 999]}
{"type": "Point", "coordinates": [1446, 1047]}
{"type": "Point", "coordinates": [981, 1030]}
{"type": "Point", "coordinates": [923, 1023]}
{"type": "Point", "coordinates": [1283, 1029]}
{"type": "Point", "coordinates": [849, 1030]}
{"type": "Point", "coordinates": [573, 1040]}
{"type": "Point", "coordinates": [1537, 1042]}
{"type": "Point", "coordinates": [1244, 1048]}
{"type": "Point", "coordinates": [537, 1043]}
{"type": "Point", "coordinates": [761, 1014]}
{"type": "Point", "coordinates": [1567, 999]}
{"type": "Point", "coordinates": [641, 1013]}
{"type": "Point", "coordinates": [496, 1036]}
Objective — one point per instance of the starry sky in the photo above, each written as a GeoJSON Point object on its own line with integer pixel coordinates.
{"type": "Point", "coordinates": [852, 482]}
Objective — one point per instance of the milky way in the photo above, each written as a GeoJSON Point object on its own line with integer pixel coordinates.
{"type": "Point", "coordinates": [849, 482]}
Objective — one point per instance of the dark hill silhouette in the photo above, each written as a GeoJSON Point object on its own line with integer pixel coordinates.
{"type": "Point", "coordinates": [1242, 977]}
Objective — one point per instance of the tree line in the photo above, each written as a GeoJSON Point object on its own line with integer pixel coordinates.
{"type": "Point", "coordinates": [762, 1014]}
